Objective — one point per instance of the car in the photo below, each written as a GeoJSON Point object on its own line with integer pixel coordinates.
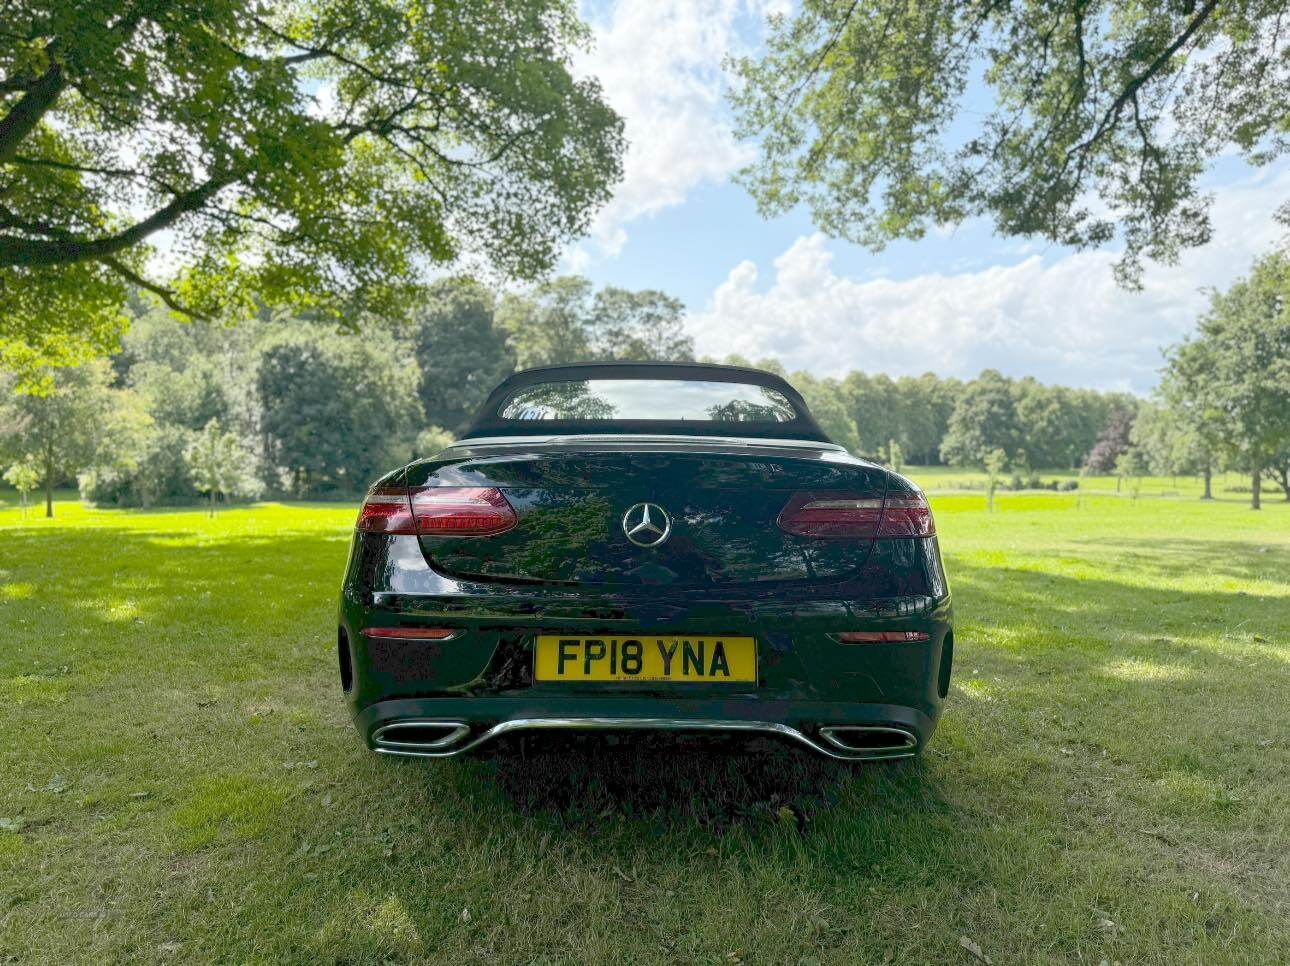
{"type": "Point", "coordinates": [645, 547]}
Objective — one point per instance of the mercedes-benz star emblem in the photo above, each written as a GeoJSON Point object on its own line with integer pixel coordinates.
{"type": "Point", "coordinates": [647, 524]}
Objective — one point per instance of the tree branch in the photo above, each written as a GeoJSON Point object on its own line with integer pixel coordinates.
{"type": "Point", "coordinates": [31, 107]}
{"type": "Point", "coordinates": [28, 251]}
{"type": "Point", "coordinates": [166, 295]}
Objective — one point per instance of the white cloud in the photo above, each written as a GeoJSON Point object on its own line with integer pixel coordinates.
{"type": "Point", "coordinates": [660, 64]}
{"type": "Point", "coordinates": [1062, 321]}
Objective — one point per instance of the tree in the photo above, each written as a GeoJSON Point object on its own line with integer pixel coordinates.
{"type": "Point", "coordinates": [220, 464]}
{"type": "Point", "coordinates": [561, 321]}
{"type": "Point", "coordinates": [1130, 465]}
{"type": "Point", "coordinates": [828, 403]}
{"type": "Point", "coordinates": [1170, 446]}
{"type": "Point", "coordinates": [639, 326]}
{"type": "Point", "coordinates": [337, 410]}
{"type": "Point", "coordinates": [548, 327]}
{"type": "Point", "coordinates": [433, 440]}
{"type": "Point", "coordinates": [984, 420]}
{"type": "Point", "coordinates": [995, 462]}
{"type": "Point", "coordinates": [23, 476]}
{"type": "Point", "coordinates": [1114, 440]}
{"type": "Point", "coordinates": [462, 352]}
{"type": "Point", "coordinates": [1238, 366]}
{"type": "Point", "coordinates": [58, 429]}
{"type": "Point", "coordinates": [861, 111]}
{"type": "Point", "coordinates": [895, 456]}
{"type": "Point", "coordinates": [320, 154]}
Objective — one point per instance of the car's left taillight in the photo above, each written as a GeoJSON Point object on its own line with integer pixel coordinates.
{"type": "Point", "coordinates": [387, 509]}
{"type": "Point", "coordinates": [439, 511]}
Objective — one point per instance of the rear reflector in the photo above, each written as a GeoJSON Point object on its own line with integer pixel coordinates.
{"type": "Point", "coordinates": [443, 511]}
{"type": "Point", "coordinates": [412, 633]}
{"type": "Point", "coordinates": [878, 637]}
{"type": "Point", "coordinates": [857, 516]}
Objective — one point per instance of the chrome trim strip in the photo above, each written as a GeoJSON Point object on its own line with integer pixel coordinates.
{"type": "Point", "coordinates": [908, 743]}
{"type": "Point", "coordinates": [841, 752]}
{"type": "Point", "coordinates": [561, 439]}
{"type": "Point", "coordinates": [459, 730]}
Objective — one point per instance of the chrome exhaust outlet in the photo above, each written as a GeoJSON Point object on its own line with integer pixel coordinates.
{"type": "Point", "coordinates": [424, 738]}
{"type": "Point", "coordinates": [419, 738]}
{"type": "Point", "coordinates": [877, 741]}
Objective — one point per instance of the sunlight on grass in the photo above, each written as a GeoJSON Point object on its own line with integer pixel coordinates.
{"type": "Point", "coordinates": [176, 767]}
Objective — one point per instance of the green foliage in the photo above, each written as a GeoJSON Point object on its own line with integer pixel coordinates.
{"type": "Point", "coordinates": [983, 423]}
{"type": "Point", "coordinates": [58, 430]}
{"type": "Point", "coordinates": [432, 440]}
{"type": "Point", "coordinates": [859, 110]}
{"type": "Point", "coordinates": [319, 155]}
{"type": "Point", "coordinates": [995, 462]}
{"type": "Point", "coordinates": [463, 354]}
{"type": "Point", "coordinates": [1231, 382]}
{"type": "Point", "coordinates": [561, 321]}
{"type": "Point", "coordinates": [337, 411]}
{"type": "Point", "coordinates": [827, 401]}
{"type": "Point", "coordinates": [644, 326]}
{"type": "Point", "coordinates": [221, 465]}
{"type": "Point", "coordinates": [548, 326]}
{"type": "Point", "coordinates": [23, 476]}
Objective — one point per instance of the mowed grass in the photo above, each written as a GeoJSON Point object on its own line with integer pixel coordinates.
{"type": "Point", "coordinates": [179, 780]}
{"type": "Point", "coordinates": [949, 479]}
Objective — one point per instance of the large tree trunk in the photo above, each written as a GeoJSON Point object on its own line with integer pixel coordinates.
{"type": "Point", "coordinates": [1208, 494]}
{"type": "Point", "coordinates": [1258, 484]}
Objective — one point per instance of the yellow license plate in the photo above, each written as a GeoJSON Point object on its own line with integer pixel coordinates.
{"type": "Point", "coordinates": [707, 660]}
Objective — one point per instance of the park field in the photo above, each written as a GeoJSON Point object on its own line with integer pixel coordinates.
{"type": "Point", "coordinates": [179, 780]}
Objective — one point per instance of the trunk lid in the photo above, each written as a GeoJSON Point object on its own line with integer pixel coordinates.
{"type": "Point", "coordinates": [722, 502]}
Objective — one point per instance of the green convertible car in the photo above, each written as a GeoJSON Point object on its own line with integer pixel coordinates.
{"type": "Point", "coordinates": [638, 546]}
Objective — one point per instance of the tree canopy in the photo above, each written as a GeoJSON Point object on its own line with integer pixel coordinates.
{"type": "Point", "coordinates": [1105, 114]}
{"type": "Point", "coordinates": [1236, 371]}
{"type": "Point", "coordinates": [318, 153]}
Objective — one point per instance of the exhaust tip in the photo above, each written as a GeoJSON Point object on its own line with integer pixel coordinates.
{"type": "Point", "coordinates": [871, 739]}
{"type": "Point", "coordinates": [414, 736]}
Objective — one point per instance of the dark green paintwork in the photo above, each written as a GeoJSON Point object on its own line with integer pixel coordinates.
{"type": "Point", "coordinates": [726, 570]}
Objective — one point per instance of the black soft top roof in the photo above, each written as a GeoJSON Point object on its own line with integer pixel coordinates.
{"type": "Point", "coordinates": [488, 421]}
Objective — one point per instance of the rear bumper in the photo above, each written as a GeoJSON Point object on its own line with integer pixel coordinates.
{"type": "Point", "coordinates": [452, 726]}
{"type": "Point", "coordinates": [480, 686]}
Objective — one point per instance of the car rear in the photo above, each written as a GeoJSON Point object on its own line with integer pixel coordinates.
{"type": "Point", "coordinates": [762, 582]}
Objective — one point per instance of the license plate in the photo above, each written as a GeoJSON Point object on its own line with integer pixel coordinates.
{"type": "Point", "coordinates": [707, 660]}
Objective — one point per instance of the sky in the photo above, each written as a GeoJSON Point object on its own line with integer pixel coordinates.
{"type": "Point", "coordinates": [953, 303]}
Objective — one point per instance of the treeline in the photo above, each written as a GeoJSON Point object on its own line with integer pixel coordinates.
{"type": "Point", "coordinates": [289, 407]}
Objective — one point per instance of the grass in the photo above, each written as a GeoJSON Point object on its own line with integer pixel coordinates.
{"type": "Point", "coordinates": [949, 479]}
{"type": "Point", "coordinates": [179, 781]}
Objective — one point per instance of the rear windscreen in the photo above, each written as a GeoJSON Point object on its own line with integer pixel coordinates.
{"type": "Point", "coordinates": [669, 400]}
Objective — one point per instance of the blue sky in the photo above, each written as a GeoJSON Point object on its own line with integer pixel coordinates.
{"type": "Point", "coordinates": [954, 302]}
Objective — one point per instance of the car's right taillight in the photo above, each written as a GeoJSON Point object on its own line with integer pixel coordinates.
{"type": "Point", "coordinates": [857, 516]}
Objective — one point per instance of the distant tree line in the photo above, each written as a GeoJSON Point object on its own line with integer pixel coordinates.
{"type": "Point", "coordinates": [292, 407]}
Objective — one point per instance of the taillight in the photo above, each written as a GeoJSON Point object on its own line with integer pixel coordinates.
{"type": "Point", "coordinates": [831, 515]}
{"type": "Point", "coordinates": [906, 514]}
{"type": "Point", "coordinates": [462, 511]}
{"type": "Point", "coordinates": [441, 511]}
{"type": "Point", "coordinates": [386, 510]}
{"type": "Point", "coordinates": [857, 516]}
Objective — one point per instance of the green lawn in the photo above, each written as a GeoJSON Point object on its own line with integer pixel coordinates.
{"type": "Point", "coordinates": [1236, 486]}
{"type": "Point", "coordinates": [179, 781]}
